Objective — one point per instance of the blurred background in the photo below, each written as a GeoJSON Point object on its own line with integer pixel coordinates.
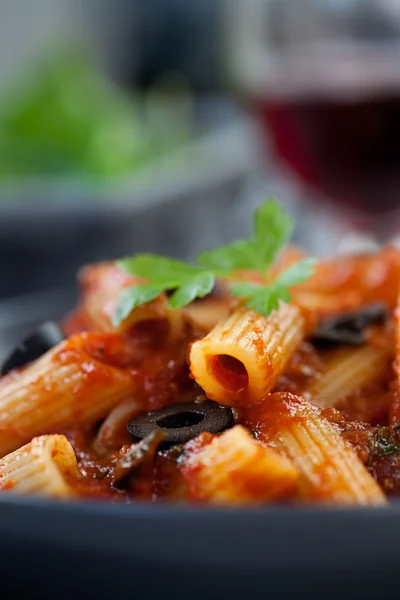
{"type": "Point", "coordinates": [158, 125]}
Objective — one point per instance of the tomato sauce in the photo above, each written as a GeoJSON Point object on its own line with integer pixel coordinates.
{"type": "Point", "coordinates": [158, 375]}
{"type": "Point", "coordinates": [165, 379]}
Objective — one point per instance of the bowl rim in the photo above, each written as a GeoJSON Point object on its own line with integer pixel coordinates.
{"type": "Point", "coordinates": [301, 538]}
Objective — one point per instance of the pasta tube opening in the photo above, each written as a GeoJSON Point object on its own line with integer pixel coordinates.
{"type": "Point", "coordinates": [230, 372]}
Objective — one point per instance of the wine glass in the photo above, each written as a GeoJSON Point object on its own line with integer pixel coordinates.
{"type": "Point", "coordinates": [323, 78]}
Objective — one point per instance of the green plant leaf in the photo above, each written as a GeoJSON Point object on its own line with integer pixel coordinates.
{"type": "Point", "coordinates": [156, 267]}
{"type": "Point", "coordinates": [272, 229]}
{"type": "Point", "coordinates": [134, 296]}
{"type": "Point", "coordinates": [196, 287]}
{"type": "Point", "coordinates": [297, 273]}
{"type": "Point", "coordinates": [234, 256]}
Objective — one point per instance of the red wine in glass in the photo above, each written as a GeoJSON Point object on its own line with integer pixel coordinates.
{"type": "Point", "coordinates": [346, 152]}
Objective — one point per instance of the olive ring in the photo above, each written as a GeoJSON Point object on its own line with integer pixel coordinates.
{"type": "Point", "coordinates": [182, 422]}
{"type": "Point", "coordinates": [348, 328]}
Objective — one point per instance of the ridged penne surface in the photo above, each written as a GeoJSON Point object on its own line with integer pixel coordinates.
{"type": "Point", "coordinates": [239, 361]}
{"type": "Point", "coordinates": [76, 383]}
{"type": "Point", "coordinates": [331, 471]}
{"type": "Point", "coordinates": [44, 467]}
{"type": "Point", "coordinates": [397, 342]}
{"type": "Point", "coordinates": [348, 371]}
{"type": "Point", "coordinates": [394, 415]}
{"type": "Point", "coordinates": [236, 469]}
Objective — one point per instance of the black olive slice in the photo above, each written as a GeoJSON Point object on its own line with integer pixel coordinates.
{"type": "Point", "coordinates": [357, 320]}
{"type": "Point", "coordinates": [182, 422]}
{"type": "Point", "coordinates": [43, 339]}
{"type": "Point", "coordinates": [336, 337]}
{"type": "Point", "coordinates": [347, 329]}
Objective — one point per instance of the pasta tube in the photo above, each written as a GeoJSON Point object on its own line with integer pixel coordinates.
{"type": "Point", "coordinates": [331, 471]}
{"type": "Point", "coordinates": [236, 469]}
{"type": "Point", "coordinates": [41, 468]}
{"type": "Point", "coordinates": [206, 313]}
{"type": "Point", "coordinates": [76, 383]}
{"type": "Point", "coordinates": [239, 361]}
{"type": "Point", "coordinates": [113, 428]}
{"type": "Point", "coordinates": [102, 285]}
{"type": "Point", "coordinates": [394, 415]}
{"type": "Point", "coordinates": [349, 371]}
{"type": "Point", "coordinates": [397, 342]}
{"type": "Point", "coordinates": [374, 277]}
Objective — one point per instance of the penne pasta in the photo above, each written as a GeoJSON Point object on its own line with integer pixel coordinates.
{"type": "Point", "coordinates": [330, 470]}
{"type": "Point", "coordinates": [101, 287]}
{"type": "Point", "coordinates": [238, 362]}
{"type": "Point", "coordinates": [397, 342]}
{"type": "Point", "coordinates": [373, 277]}
{"type": "Point", "coordinates": [349, 371]}
{"type": "Point", "coordinates": [213, 402]}
{"type": "Point", "coordinates": [75, 383]}
{"type": "Point", "coordinates": [318, 305]}
{"type": "Point", "coordinates": [113, 427]}
{"type": "Point", "coordinates": [207, 313]}
{"type": "Point", "coordinates": [236, 469]}
{"type": "Point", "coordinates": [43, 467]}
{"type": "Point", "coordinates": [394, 415]}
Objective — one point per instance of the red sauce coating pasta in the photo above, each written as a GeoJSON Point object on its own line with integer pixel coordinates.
{"type": "Point", "coordinates": [291, 421]}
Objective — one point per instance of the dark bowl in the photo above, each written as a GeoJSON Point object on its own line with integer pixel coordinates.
{"type": "Point", "coordinates": [67, 551]}
{"type": "Point", "coordinates": [51, 549]}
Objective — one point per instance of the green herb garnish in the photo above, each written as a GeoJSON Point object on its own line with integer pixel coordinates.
{"type": "Point", "coordinates": [272, 229]}
{"type": "Point", "coordinates": [386, 442]}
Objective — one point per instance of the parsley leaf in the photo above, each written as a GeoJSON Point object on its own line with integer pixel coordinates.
{"type": "Point", "coordinates": [197, 287]}
{"type": "Point", "coordinates": [234, 256]}
{"type": "Point", "coordinates": [158, 267]}
{"type": "Point", "coordinates": [297, 273]}
{"type": "Point", "coordinates": [272, 229]}
{"type": "Point", "coordinates": [188, 281]}
{"type": "Point", "coordinates": [264, 299]}
{"type": "Point", "coordinates": [134, 296]}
